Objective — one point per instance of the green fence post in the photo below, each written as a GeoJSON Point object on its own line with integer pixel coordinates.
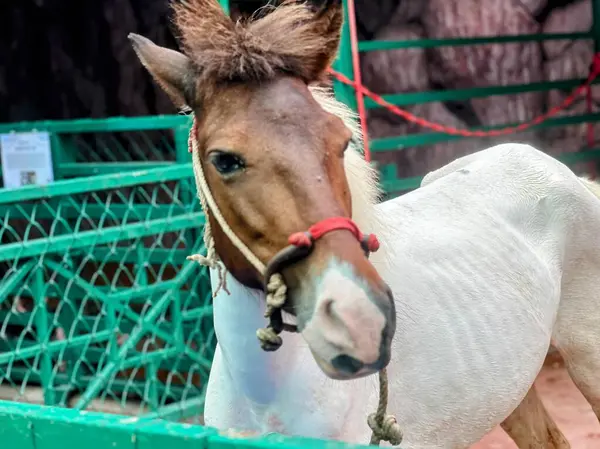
{"type": "Point", "coordinates": [225, 6]}
{"type": "Point", "coordinates": [42, 320]}
{"type": "Point", "coordinates": [596, 24]}
{"type": "Point", "coordinates": [343, 64]}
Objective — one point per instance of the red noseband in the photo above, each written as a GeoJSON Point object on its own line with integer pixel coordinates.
{"type": "Point", "coordinates": [301, 245]}
{"type": "Point", "coordinates": [306, 239]}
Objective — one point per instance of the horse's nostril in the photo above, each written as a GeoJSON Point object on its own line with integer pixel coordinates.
{"type": "Point", "coordinates": [347, 364]}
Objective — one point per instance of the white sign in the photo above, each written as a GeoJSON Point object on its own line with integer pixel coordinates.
{"type": "Point", "coordinates": [26, 159]}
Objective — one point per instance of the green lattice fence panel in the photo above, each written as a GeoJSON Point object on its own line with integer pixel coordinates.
{"type": "Point", "coordinates": [114, 145]}
{"type": "Point", "coordinates": [98, 306]}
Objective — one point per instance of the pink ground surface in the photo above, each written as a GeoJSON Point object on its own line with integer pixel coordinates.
{"type": "Point", "coordinates": [566, 405]}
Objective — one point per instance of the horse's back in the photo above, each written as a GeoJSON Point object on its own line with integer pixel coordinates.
{"type": "Point", "coordinates": [476, 258]}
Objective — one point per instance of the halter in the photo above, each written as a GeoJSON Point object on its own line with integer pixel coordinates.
{"type": "Point", "coordinates": [300, 246]}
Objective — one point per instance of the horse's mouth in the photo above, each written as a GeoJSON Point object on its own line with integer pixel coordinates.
{"type": "Point", "coordinates": [335, 373]}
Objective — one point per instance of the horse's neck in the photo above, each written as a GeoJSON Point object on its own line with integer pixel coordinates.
{"type": "Point", "coordinates": [282, 391]}
{"type": "Point", "coordinates": [237, 316]}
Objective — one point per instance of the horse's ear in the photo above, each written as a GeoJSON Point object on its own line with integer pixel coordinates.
{"type": "Point", "coordinates": [303, 37]}
{"type": "Point", "coordinates": [172, 70]}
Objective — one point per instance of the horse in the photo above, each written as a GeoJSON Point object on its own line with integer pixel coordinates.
{"type": "Point", "coordinates": [479, 271]}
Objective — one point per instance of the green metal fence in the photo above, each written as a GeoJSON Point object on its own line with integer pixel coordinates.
{"type": "Point", "coordinates": [99, 308]}
{"type": "Point", "coordinates": [34, 427]}
{"type": "Point", "coordinates": [394, 184]}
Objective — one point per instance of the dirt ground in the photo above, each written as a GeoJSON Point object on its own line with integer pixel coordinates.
{"type": "Point", "coordinates": [565, 404]}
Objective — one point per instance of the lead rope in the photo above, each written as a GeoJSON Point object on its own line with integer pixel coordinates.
{"type": "Point", "coordinates": [384, 427]}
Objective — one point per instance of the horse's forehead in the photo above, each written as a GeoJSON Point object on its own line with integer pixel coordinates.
{"type": "Point", "coordinates": [283, 93]}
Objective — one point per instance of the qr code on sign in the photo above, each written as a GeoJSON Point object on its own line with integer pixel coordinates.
{"type": "Point", "coordinates": [28, 177]}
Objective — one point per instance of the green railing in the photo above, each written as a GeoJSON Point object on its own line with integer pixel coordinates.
{"type": "Point", "coordinates": [99, 308]}
{"type": "Point", "coordinates": [34, 427]}
{"type": "Point", "coordinates": [396, 185]}
{"type": "Point", "coordinates": [113, 145]}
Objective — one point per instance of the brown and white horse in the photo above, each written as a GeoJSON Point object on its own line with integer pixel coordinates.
{"type": "Point", "coordinates": [494, 257]}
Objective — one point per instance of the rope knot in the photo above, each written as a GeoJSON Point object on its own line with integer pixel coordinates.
{"type": "Point", "coordinates": [302, 239]}
{"type": "Point", "coordinates": [203, 260]}
{"type": "Point", "coordinates": [387, 429]}
{"type": "Point", "coordinates": [276, 293]}
{"type": "Point", "coordinates": [268, 338]}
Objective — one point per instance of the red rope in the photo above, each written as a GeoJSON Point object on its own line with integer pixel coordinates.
{"type": "Point", "coordinates": [594, 73]}
{"type": "Point", "coordinates": [318, 230]}
{"type": "Point", "coordinates": [360, 101]}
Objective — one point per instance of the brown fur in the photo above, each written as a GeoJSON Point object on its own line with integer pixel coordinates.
{"type": "Point", "coordinates": [292, 40]}
{"type": "Point", "coordinates": [531, 427]}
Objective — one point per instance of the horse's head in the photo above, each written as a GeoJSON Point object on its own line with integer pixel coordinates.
{"type": "Point", "coordinates": [273, 159]}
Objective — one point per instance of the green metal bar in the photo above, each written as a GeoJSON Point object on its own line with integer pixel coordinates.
{"type": "Point", "coordinates": [28, 426]}
{"type": "Point", "coordinates": [123, 308]}
{"type": "Point", "coordinates": [410, 98]}
{"type": "Point", "coordinates": [595, 32]}
{"type": "Point", "coordinates": [57, 154]}
{"type": "Point", "coordinates": [124, 294]}
{"type": "Point", "coordinates": [72, 211]}
{"type": "Point", "coordinates": [343, 64]}
{"type": "Point", "coordinates": [113, 124]}
{"type": "Point", "coordinates": [153, 396]}
{"type": "Point", "coordinates": [114, 365]}
{"type": "Point", "coordinates": [147, 357]}
{"type": "Point", "coordinates": [42, 333]}
{"type": "Point", "coordinates": [53, 347]}
{"type": "Point", "coordinates": [105, 182]}
{"type": "Point", "coordinates": [196, 314]}
{"type": "Point", "coordinates": [177, 319]}
{"type": "Point", "coordinates": [225, 6]}
{"type": "Point", "coordinates": [584, 155]}
{"type": "Point", "coordinates": [81, 169]}
{"type": "Point", "coordinates": [377, 45]}
{"type": "Point", "coordinates": [77, 240]}
{"type": "Point", "coordinates": [8, 285]}
{"type": "Point", "coordinates": [188, 408]}
{"type": "Point", "coordinates": [413, 140]}
{"type": "Point", "coordinates": [403, 184]}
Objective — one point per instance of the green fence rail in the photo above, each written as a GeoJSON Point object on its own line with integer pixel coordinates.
{"type": "Point", "coordinates": [97, 147]}
{"type": "Point", "coordinates": [394, 184]}
{"type": "Point", "coordinates": [34, 427]}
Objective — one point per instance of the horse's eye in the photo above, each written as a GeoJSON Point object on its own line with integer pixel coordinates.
{"type": "Point", "coordinates": [226, 163]}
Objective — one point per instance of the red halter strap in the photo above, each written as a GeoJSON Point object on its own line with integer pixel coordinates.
{"type": "Point", "coordinates": [369, 242]}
